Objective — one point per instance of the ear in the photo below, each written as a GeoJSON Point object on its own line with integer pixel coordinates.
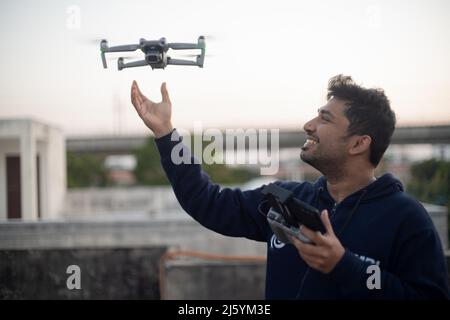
{"type": "Point", "coordinates": [360, 144]}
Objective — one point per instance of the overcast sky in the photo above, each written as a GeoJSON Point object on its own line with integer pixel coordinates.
{"type": "Point", "coordinates": [270, 62]}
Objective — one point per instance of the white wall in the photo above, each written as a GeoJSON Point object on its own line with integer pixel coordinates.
{"type": "Point", "coordinates": [55, 171]}
{"type": "Point", "coordinates": [20, 137]}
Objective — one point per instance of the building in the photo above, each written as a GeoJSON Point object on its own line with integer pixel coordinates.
{"type": "Point", "coordinates": [32, 170]}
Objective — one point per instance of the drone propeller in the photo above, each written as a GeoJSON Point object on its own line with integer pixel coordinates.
{"type": "Point", "coordinates": [123, 57]}
{"type": "Point", "coordinates": [182, 62]}
{"type": "Point", "coordinates": [89, 41]}
{"type": "Point", "coordinates": [187, 55]}
{"type": "Point", "coordinates": [211, 38]}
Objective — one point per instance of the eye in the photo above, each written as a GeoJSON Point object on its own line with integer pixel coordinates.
{"type": "Point", "coordinates": [324, 118]}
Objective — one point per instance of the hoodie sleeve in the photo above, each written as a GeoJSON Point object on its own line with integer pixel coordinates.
{"type": "Point", "coordinates": [419, 273]}
{"type": "Point", "coordinates": [231, 212]}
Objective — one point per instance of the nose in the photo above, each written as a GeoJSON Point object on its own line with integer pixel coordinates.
{"type": "Point", "coordinates": [309, 126]}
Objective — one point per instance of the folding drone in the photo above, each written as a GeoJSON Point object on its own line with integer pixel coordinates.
{"type": "Point", "coordinates": [155, 53]}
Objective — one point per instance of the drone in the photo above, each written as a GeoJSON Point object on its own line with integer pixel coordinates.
{"type": "Point", "coordinates": [155, 53]}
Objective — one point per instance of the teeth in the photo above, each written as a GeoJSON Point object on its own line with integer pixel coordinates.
{"type": "Point", "coordinates": [309, 142]}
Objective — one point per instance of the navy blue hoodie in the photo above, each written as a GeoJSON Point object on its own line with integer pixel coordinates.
{"type": "Point", "coordinates": [379, 225]}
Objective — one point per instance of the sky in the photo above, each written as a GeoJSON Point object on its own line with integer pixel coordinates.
{"type": "Point", "coordinates": [268, 67]}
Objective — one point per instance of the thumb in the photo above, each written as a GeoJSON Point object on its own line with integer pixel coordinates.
{"type": "Point", "coordinates": [326, 222]}
{"type": "Point", "coordinates": [165, 93]}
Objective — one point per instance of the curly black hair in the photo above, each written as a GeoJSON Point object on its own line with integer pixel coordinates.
{"type": "Point", "coordinates": [368, 111]}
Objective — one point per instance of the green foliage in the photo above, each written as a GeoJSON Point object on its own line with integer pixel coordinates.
{"type": "Point", "coordinates": [85, 170]}
{"type": "Point", "coordinates": [148, 170]}
{"type": "Point", "coordinates": [431, 181]}
{"type": "Point", "coordinates": [220, 173]}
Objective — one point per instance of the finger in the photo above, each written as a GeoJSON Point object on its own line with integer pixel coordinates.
{"type": "Point", "coordinates": [139, 96]}
{"type": "Point", "coordinates": [134, 93]}
{"type": "Point", "coordinates": [139, 90]}
{"type": "Point", "coordinates": [298, 245]}
{"type": "Point", "coordinates": [134, 96]}
{"type": "Point", "coordinates": [165, 93]}
{"type": "Point", "coordinates": [315, 237]}
{"type": "Point", "coordinates": [305, 249]}
{"type": "Point", "coordinates": [326, 222]}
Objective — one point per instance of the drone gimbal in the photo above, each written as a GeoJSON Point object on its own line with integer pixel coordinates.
{"type": "Point", "coordinates": [155, 53]}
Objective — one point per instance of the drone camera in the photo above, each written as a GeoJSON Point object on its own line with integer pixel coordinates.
{"type": "Point", "coordinates": [153, 57]}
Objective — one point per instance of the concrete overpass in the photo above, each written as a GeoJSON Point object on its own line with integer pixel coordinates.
{"type": "Point", "coordinates": [288, 139]}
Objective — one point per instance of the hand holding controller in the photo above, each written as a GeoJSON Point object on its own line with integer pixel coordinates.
{"type": "Point", "coordinates": [281, 229]}
{"type": "Point", "coordinates": [288, 213]}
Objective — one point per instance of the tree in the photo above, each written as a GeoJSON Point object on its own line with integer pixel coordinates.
{"type": "Point", "coordinates": [148, 169]}
{"type": "Point", "coordinates": [85, 170]}
{"type": "Point", "coordinates": [430, 181]}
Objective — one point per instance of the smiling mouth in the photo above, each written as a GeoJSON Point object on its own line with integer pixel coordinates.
{"type": "Point", "coordinates": [309, 143]}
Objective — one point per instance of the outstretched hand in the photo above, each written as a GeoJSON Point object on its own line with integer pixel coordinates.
{"type": "Point", "coordinates": [156, 116]}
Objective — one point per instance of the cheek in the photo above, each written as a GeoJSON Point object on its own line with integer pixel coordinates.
{"type": "Point", "coordinates": [329, 138]}
{"type": "Point", "coordinates": [325, 134]}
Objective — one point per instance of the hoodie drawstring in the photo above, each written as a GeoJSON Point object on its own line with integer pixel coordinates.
{"type": "Point", "coordinates": [352, 212]}
{"type": "Point", "coordinates": [316, 200]}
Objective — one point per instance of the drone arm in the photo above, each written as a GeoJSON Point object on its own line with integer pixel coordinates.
{"type": "Point", "coordinates": [127, 47]}
{"type": "Point", "coordinates": [180, 62]}
{"type": "Point", "coordinates": [104, 60]}
{"type": "Point", "coordinates": [183, 46]}
{"type": "Point", "coordinates": [105, 48]}
{"type": "Point", "coordinates": [121, 65]}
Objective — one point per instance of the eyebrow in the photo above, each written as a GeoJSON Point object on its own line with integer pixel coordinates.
{"type": "Point", "coordinates": [322, 111]}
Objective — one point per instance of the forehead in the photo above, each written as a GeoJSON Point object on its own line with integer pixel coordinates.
{"type": "Point", "coordinates": [336, 109]}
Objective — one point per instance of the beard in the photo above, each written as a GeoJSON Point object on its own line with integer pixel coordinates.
{"type": "Point", "coordinates": [329, 162]}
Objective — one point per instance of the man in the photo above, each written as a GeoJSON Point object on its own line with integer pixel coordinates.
{"type": "Point", "coordinates": [373, 228]}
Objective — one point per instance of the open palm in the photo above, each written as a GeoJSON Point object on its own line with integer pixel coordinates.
{"type": "Point", "coordinates": [156, 116]}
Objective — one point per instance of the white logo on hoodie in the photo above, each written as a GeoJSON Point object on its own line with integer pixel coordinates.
{"type": "Point", "coordinates": [275, 243]}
